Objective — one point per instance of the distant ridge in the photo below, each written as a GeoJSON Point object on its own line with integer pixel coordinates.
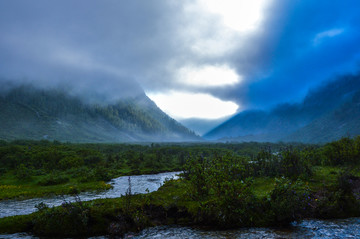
{"type": "Point", "coordinates": [30, 113]}
{"type": "Point", "coordinates": [327, 113]}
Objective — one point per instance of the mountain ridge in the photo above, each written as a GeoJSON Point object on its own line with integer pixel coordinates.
{"type": "Point", "coordinates": [31, 113]}
{"type": "Point", "coordinates": [286, 121]}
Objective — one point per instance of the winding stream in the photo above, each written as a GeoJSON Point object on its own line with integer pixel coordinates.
{"type": "Point", "coordinates": [340, 228]}
{"type": "Point", "coordinates": [139, 184]}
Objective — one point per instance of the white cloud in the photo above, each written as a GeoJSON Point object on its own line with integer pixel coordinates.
{"type": "Point", "coordinates": [238, 15]}
{"type": "Point", "coordinates": [320, 37]}
{"type": "Point", "coordinates": [216, 28]}
{"type": "Point", "coordinates": [181, 105]}
{"type": "Point", "coordinates": [211, 31]}
{"type": "Point", "coordinates": [208, 76]}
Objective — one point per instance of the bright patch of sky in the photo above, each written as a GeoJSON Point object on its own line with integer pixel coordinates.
{"type": "Point", "coordinates": [208, 76]}
{"type": "Point", "coordinates": [221, 25]}
{"type": "Point", "coordinates": [238, 15]}
{"type": "Point", "coordinates": [219, 29]}
{"type": "Point", "coordinates": [183, 105]}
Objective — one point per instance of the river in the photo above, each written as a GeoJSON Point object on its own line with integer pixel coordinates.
{"type": "Point", "coordinates": [139, 184]}
{"type": "Point", "coordinates": [340, 228]}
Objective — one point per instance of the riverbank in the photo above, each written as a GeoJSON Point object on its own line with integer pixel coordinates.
{"type": "Point", "coordinates": [223, 186]}
{"type": "Point", "coordinates": [32, 169]}
{"type": "Point", "coordinates": [139, 184]}
{"type": "Point", "coordinates": [171, 204]}
{"type": "Point", "coordinates": [30, 190]}
{"type": "Point", "coordinates": [11, 188]}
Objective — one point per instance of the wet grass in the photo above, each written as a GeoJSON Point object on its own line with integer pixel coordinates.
{"type": "Point", "coordinates": [13, 188]}
{"type": "Point", "coordinates": [263, 186]}
{"type": "Point", "coordinates": [171, 204]}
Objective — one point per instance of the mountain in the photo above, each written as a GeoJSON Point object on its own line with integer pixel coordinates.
{"type": "Point", "coordinates": [202, 126]}
{"type": "Point", "coordinates": [326, 113]}
{"type": "Point", "coordinates": [29, 113]}
{"type": "Point", "coordinates": [343, 121]}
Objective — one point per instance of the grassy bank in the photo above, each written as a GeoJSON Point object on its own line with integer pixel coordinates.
{"type": "Point", "coordinates": [222, 187]}
{"type": "Point", "coordinates": [42, 168]}
{"type": "Point", "coordinates": [31, 169]}
{"type": "Point", "coordinates": [280, 204]}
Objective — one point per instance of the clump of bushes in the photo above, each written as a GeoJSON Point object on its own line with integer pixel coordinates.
{"type": "Point", "coordinates": [53, 179]}
{"type": "Point", "coordinates": [340, 201]}
{"type": "Point", "coordinates": [288, 201]}
{"type": "Point", "coordinates": [97, 174]}
{"type": "Point", "coordinates": [288, 162]}
{"type": "Point", "coordinates": [345, 151]}
{"type": "Point", "coordinates": [23, 173]}
{"type": "Point", "coordinates": [70, 219]}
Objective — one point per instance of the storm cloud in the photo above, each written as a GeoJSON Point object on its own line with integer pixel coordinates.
{"type": "Point", "coordinates": [303, 43]}
{"type": "Point", "coordinates": [113, 47]}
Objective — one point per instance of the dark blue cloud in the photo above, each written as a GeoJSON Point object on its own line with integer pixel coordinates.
{"type": "Point", "coordinates": [304, 43]}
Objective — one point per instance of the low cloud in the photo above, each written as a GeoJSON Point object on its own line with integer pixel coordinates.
{"type": "Point", "coordinates": [111, 48]}
{"type": "Point", "coordinates": [189, 105]}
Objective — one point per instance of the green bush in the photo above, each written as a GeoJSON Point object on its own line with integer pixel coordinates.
{"type": "Point", "coordinates": [345, 151]}
{"type": "Point", "coordinates": [234, 208]}
{"type": "Point", "coordinates": [23, 173]}
{"type": "Point", "coordinates": [292, 165]}
{"type": "Point", "coordinates": [288, 201]}
{"type": "Point", "coordinates": [71, 162]}
{"type": "Point", "coordinates": [53, 179]}
{"type": "Point", "coordinates": [70, 219]}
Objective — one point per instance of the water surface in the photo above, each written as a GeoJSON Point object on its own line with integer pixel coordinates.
{"type": "Point", "coordinates": [139, 184]}
{"type": "Point", "coordinates": [340, 228]}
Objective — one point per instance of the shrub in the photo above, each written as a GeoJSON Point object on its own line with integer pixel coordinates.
{"type": "Point", "coordinates": [292, 165]}
{"type": "Point", "coordinates": [234, 208]}
{"type": "Point", "coordinates": [346, 151]}
{"type": "Point", "coordinates": [70, 219]}
{"type": "Point", "coordinates": [23, 173]}
{"type": "Point", "coordinates": [288, 201]}
{"type": "Point", "coordinates": [53, 179]}
{"type": "Point", "coordinates": [196, 172]}
{"type": "Point", "coordinates": [71, 162]}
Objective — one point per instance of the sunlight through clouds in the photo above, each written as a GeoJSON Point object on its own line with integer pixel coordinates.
{"type": "Point", "coordinates": [221, 26]}
{"type": "Point", "coordinates": [182, 105]}
{"type": "Point", "coordinates": [208, 76]}
{"type": "Point", "coordinates": [239, 15]}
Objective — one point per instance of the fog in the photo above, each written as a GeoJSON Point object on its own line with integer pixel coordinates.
{"type": "Point", "coordinates": [110, 49]}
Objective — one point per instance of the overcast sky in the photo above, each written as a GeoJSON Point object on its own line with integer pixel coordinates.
{"type": "Point", "coordinates": [194, 58]}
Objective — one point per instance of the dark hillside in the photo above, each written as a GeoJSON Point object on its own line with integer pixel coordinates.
{"type": "Point", "coordinates": [29, 113]}
{"type": "Point", "coordinates": [291, 122]}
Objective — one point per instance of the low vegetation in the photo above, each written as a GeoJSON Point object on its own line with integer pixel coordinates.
{"type": "Point", "coordinates": [39, 168]}
{"type": "Point", "coordinates": [222, 186]}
